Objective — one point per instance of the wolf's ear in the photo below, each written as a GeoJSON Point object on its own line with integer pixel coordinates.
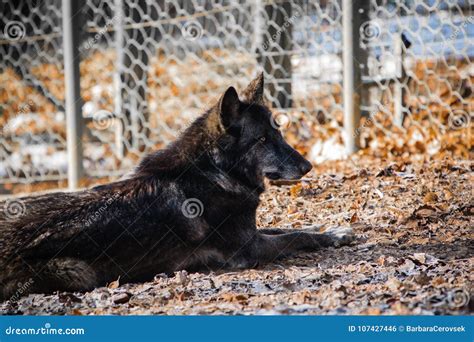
{"type": "Point", "coordinates": [229, 105]}
{"type": "Point", "coordinates": [254, 91]}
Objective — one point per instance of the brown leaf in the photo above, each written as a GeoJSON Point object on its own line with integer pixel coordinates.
{"type": "Point", "coordinates": [419, 241]}
{"type": "Point", "coordinates": [115, 284]}
{"type": "Point", "coordinates": [183, 295]}
{"type": "Point", "coordinates": [234, 297]}
{"type": "Point", "coordinates": [422, 279]}
{"type": "Point", "coordinates": [295, 190]}
{"type": "Point", "coordinates": [420, 257]}
{"type": "Point", "coordinates": [425, 211]}
{"type": "Point", "coordinates": [354, 218]}
{"type": "Point", "coordinates": [430, 197]}
{"type": "Point", "coordinates": [301, 297]}
{"type": "Point", "coordinates": [407, 266]}
{"type": "Point", "coordinates": [448, 194]}
{"type": "Point", "coordinates": [438, 281]}
{"type": "Point", "coordinates": [379, 193]}
{"type": "Point", "coordinates": [292, 209]}
{"type": "Point", "coordinates": [393, 284]}
{"type": "Point", "coordinates": [373, 311]}
{"type": "Point", "coordinates": [76, 312]}
{"type": "Point", "coordinates": [381, 260]}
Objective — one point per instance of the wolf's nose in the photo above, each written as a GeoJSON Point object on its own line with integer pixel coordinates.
{"type": "Point", "coordinates": [305, 167]}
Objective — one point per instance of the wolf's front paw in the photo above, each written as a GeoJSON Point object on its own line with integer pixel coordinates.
{"type": "Point", "coordinates": [340, 235]}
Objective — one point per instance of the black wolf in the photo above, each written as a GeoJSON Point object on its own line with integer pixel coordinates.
{"type": "Point", "coordinates": [190, 206]}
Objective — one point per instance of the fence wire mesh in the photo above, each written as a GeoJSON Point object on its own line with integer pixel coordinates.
{"type": "Point", "coordinates": [148, 68]}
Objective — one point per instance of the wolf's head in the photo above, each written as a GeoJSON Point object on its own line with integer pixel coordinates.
{"type": "Point", "coordinates": [250, 143]}
{"type": "Point", "coordinates": [239, 136]}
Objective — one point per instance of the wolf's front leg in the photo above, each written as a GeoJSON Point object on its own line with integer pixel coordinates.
{"type": "Point", "coordinates": [277, 231]}
{"type": "Point", "coordinates": [268, 247]}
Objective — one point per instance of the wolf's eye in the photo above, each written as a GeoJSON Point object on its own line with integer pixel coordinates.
{"type": "Point", "coordinates": [262, 139]}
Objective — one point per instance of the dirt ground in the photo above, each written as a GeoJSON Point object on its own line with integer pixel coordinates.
{"type": "Point", "coordinates": [413, 255]}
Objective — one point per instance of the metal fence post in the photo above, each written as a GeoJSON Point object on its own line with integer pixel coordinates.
{"type": "Point", "coordinates": [132, 68]}
{"type": "Point", "coordinates": [118, 100]}
{"type": "Point", "coordinates": [257, 38]}
{"type": "Point", "coordinates": [352, 75]}
{"type": "Point", "coordinates": [401, 80]}
{"type": "Point", "coordinates": [74, 120]}
{"type": "Point", "coordinates": [276, 54]}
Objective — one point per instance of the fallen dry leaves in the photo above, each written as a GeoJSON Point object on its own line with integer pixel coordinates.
{"type": "Point", "coordinates": [413, 255]}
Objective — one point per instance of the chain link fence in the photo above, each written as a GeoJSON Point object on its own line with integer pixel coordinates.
{"type": "Point", "coordinates": [148, 68]}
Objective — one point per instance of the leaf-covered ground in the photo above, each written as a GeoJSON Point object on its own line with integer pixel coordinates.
{"type": "Point", "coordinates": [413, 254]}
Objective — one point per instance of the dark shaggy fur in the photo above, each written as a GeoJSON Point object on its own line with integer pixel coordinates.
{"type": "Point", "coordinates": [190, 206]}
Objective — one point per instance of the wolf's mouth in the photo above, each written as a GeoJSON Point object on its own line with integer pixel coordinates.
{"type": "Point", "coordinates": [279, 176]}
{"type": "Point", "coordinates": [273, 175]}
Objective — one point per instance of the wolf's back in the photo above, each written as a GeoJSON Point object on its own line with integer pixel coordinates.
{"type": "Point", "coordinates": [44, 223]}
